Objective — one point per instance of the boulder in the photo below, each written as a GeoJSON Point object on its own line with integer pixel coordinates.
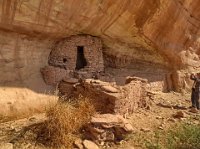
{"type": "Point", "coordinates": [179, 114]}
{"type": "Point", "coordinates": [78, 143]}
{"type": "Point", "coordinates": [109, 89]}
{"type": "Point", "coordinates": [130, 79]}
{"type": "Point", "coordinates": [145, 129]}
{"type": "Point", "coordinates": [107, 119]}
{"type": "Point", "coordinates": [108, 127]}
{"type": "Point", "coordinates": [70, 80]}
{"type": "Point", "coordinates": [90, 145]}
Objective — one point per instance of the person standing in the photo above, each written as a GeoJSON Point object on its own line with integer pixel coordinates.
{"type": "Point", "coordinates": [195, 91]}
{"type": "Point", "coordinates": [192, 77]}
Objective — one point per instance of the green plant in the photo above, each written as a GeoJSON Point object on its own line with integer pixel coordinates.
{"type": "Point", "coordinates": [184, 137]}
{"type": "Point", "coordinates": [155, 143]}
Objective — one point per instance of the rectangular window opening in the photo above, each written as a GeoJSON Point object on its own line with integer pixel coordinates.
{"type": "Point", "coordinates": [80, 60]}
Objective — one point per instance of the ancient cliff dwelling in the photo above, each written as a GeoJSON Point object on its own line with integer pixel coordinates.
{"type": "Point", "coordinates": [99, 69]}
{"type": "Point", "coordinates": [77, 57]}
{"type": "Point", "coordinates": [80, 52]}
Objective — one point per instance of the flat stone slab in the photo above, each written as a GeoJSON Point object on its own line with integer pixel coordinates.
{"type": "Point", "coordinates": [90, 145]}
{"type": "Point", "coordinates": [109, 89]}
{"type": "Point", "coordinates": [71, 80]}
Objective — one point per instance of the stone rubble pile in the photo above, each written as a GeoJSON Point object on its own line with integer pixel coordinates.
{"type": "Point", "coordinates": [108, 127]}
{"type": "Point", "coordinates": [104, 128]}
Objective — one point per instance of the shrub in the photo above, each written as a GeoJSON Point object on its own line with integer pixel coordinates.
{"type": "Point", "coordinates": [184, 137]}
{"type": "Point", "coordinates": [65, 121]}
{"type": "Point", "coordinates": [155, 143]}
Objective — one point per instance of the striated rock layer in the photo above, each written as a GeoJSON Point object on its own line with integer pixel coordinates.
{"type": "Point", "coordinates": [153, 39]}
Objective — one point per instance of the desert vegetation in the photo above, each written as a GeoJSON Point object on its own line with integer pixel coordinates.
{"type": "Point", "coordinates": [180, 136]}
{"type": "Point", "coordinates": [184, 136]}
{"type": "Point", "coordinates": [65, 121]}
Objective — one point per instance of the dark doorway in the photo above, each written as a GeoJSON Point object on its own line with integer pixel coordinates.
{"type": "Point", "coordinates": [80, 61]}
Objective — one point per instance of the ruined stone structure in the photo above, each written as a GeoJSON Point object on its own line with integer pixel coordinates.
{"type": "Point", "coordinates": [78, 52]}
{"type": "Point", "coordinates": [78, 56]}
{"type": "Point", "coordinates": [107, 128]}
{"type": "Point", "coordinates": [76, 65]}
{"type": "Point", "coordinates": [108, 97]}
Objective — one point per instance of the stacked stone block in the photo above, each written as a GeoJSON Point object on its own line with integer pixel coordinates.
{"type": "Point", "coordinates": [64, 54]}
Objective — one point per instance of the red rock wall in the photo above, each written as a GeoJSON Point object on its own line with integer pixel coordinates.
{"type": "Point", "coordinates": [159, 32]}
{"type": "Point", "coordinates": [156, 26]}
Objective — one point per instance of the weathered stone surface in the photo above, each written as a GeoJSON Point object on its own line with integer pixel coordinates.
{"type": "Point", "coordinates": [129, 79]}
{"type": "Point", "coordinates": [110, 120]}
{"type": "Point", "coordinates": [109, 89]}
{"type": "Point", "coordinates": [179, 114]}
{"type": "Point", "coordinates": [145, 129]}
{"type": "Point", "coordinates": [70, 80]}
{"type": "Point", "coordinates": [78, 143]}
{"type": "Point", "coordinates": [66, 89]}
{"type": "Point", "coordinates": [113, 99]}
{"type": "Point", "coordinates": [140, 35]}
{"type": "Point", "coordinates": [107, 119]}
{"type": "Point", "coordinates": [142, 25]}
{"type": "Point", "coordinates": [22, 88]}
{"type": "Point", "coordinates": [130, 147]}
{"type": "Point", "coordinates": [108, 127]}
{"type": "Point", "coordinates": [6, 146]}
{"type": "Point", "coordinates": [90, 145]}
{"type": "Point", "coordinates": [67, 51]}
{"type": "Point", "coordinates": [73, 58]}
{"type": "Point", "coordinates": [53, 75]}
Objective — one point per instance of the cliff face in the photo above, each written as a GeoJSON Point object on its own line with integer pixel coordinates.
{"type": "Point", "coordinates": [138, 34]}
{"type": "Point", "coordinates": [153, 25]}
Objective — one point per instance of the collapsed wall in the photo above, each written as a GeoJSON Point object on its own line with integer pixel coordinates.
{"type": "Point", "coordinates": [108, 97]}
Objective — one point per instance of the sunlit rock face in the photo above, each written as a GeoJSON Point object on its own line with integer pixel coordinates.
{"type": "Point", "coordinates": [127, 26]}
{"type": "Point", "coordinates": [149, 38]}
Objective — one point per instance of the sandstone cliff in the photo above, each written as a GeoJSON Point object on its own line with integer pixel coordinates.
{"type": "Point", "coordinates": [150, 38]}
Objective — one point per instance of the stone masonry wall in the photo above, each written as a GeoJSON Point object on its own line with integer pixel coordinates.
{"type": "Point", "coordinates": [64, 53]}
{"type": "Point", "coordinates": [108, 97]}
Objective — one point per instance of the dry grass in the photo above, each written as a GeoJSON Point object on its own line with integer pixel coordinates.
{"type": "Point", "coordinates": [65, 121]}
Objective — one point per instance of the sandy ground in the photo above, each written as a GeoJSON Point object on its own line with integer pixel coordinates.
{"type": "Point", "coordinates": [159, 116]}
{"type": "Point", "coordinates": [23, 102]}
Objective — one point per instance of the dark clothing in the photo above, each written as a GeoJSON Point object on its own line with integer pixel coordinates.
{"type": "Point", "coordinates": [196, 84]}
{"type": "Point", "coordinates": [193, 97]}
{"type": "Point", "coordinates": [195, 92]}
{"type": "Point", "coordinates": [197, 104]}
